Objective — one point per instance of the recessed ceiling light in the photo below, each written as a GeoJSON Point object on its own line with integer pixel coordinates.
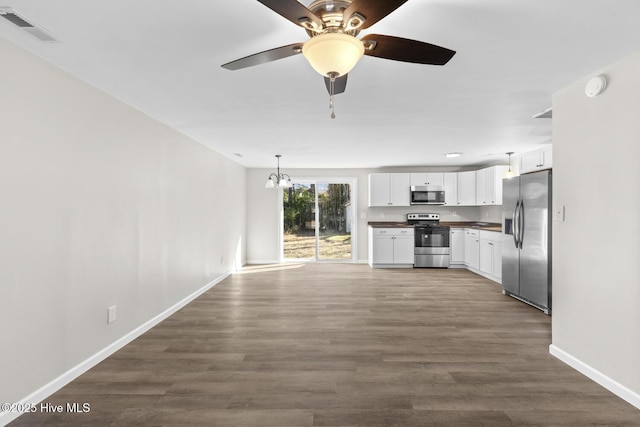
{"type": "Point", "coordinates": [452, 155]}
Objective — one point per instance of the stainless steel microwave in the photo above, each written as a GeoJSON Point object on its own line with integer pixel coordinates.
{"type": "Point", "coordinates": [422, 195]}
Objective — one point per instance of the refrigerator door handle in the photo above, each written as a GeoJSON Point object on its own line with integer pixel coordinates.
{"type": "Point", "coordinates": [521, 223]}
{"type": "Point", "coordinates": [515, 224]}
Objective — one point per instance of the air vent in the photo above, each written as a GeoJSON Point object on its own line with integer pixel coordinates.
{"type": "Point", "coordinates": [20, 22]}
{"type": "Point", "coordinates": [546, 114]}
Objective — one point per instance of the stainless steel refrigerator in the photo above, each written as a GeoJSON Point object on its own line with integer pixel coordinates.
{"type": "Point", "coordinates": [526, 239]}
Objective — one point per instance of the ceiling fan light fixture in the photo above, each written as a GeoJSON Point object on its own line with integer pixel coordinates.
{"type": "Point", "coordinates": [333, 53]}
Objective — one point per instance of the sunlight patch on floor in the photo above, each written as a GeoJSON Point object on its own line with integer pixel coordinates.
{"type": "Point", "coordinates": [261, 268]}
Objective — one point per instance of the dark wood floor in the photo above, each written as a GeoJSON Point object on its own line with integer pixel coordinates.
{"type": "Point", "coordinates": [341, 344]}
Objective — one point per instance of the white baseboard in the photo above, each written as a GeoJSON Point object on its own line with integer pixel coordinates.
{"type": "Point", "coordinates": [483, 274]}
{"type": "Point", "coordinates": [597, 376]}
{"type": "Point", "coordinates": [73, 373]}
{"type": "Point", "coordinates": [261, 262]}
{"type": "Point", "coordinates": [268, 262]}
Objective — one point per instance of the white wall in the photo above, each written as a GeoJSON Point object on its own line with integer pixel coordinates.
{"type": "Point", "coordinates": [596, 251]}
{"type": "Point", "coordinates": [101, 206]}
{"type": "Point", "coordinates": [264, 206]}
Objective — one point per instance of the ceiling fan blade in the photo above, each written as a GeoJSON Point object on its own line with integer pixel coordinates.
{"type": "Point", "coordinates": [293, 10]}
{"type": "Point", "coordinates": [339, 86]}
{"type": "Point", "coordinates": [266, 56]}
{"type": "Point", "coordinates": [372, 10]}
{"type": "Point", "coordinates": [406, 50]}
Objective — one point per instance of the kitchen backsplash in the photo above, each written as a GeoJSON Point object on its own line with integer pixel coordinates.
{"type": "Point", "coordinates": [447, 213]}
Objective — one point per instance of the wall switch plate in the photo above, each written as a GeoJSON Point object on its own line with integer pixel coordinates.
{"type": "Point", "coordinates": [558, 213]}
{"type": "Point", "coordinates": [111, 314]}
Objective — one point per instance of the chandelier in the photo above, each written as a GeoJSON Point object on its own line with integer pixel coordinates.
{"type": "Point", "coordinates": [277, 179]}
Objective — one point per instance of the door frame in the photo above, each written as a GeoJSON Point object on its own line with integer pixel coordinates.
{"type": "Point", "coordinates": [353, 184]}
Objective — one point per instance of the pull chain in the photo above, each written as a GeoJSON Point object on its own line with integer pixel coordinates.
{"type": "Point", "coordinates": [332, 82]}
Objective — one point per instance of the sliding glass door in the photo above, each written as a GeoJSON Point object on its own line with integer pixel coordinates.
{"type": "Point", "coordinates": [317, 221]}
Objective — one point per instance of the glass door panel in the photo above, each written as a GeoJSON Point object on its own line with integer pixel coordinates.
{"type": "Point", "coordinates": [299, 203]}
{"type": "Point", "coordinates": [334, 221]}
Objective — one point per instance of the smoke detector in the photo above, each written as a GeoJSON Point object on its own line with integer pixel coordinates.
{"type": "Point", "coordinates": [595, 86]}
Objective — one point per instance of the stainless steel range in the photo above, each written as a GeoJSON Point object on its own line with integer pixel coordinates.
{"type": "Point", "coordinates": [431, 249]}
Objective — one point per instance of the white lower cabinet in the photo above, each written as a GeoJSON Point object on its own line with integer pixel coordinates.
{"type": "Point", "coordinates": [478, 250]}
{"type": "Point", "coordinates": [472, 248]}
{"type": "Point", "coordinates": [391, 247]}
{"type": "Point", "coordinates": [456, 244]}
{"type": "Point", "coordinates": [482, 252]}
{"type": "Point", "coordinates": [491, 254]}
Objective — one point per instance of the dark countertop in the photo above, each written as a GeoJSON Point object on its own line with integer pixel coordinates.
{"type": "Point", "coordinates": [487, 226]}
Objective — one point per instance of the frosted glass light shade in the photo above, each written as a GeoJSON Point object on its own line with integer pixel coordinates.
{"type": "Point", "coordinates": [283, 183]}
{"type": "Point", "coordinates": [333, 53]}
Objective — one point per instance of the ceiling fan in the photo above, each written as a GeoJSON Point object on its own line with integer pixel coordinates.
{"type": "Point", "coordinates": [333, 49]}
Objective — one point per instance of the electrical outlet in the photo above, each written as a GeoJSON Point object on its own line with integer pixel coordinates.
{"type": "Point", "coordinates": [558, 213]}
{"type": "Point", "coordinates": [454, 213]}
{"type": "Point", "coordinates": [381, 214]}
{"type": "Point", "coordinates": [111, 314]}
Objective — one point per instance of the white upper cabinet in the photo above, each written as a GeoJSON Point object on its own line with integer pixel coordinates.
{"type": "Point", "coordinates": [435, 179]}
{"type": "Point", "coordinates": [489, 185]}
{"type": "Point", "coordinates": [450, 188]}
{"type": "Point", "coordinates": [389, 189]}
{"type": "Point", "coordinates": [466, 188]}
{"type": "Point", "coordinates": [469, 188]}
{"type": "Point", "coordinates": [537, 160]}
{"type": "Point", "coordinates": [400, 189]}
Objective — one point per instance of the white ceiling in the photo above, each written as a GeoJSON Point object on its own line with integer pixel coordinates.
{"type": "Point", "coordinates": [164, 59]}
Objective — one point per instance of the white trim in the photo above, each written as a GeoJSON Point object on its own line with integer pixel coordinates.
{"type": "Point", "coordinates": [73, 373]}
{"type": "Point", "coordinates": [481, 273]}
{"type": "Point", "coordinates": [597, 376]}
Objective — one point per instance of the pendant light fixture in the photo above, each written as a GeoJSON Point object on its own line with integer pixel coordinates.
{"type": "Point", "coordinates": [278, 179]}
{"type": "Point", "coordinates": [509, 173]}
